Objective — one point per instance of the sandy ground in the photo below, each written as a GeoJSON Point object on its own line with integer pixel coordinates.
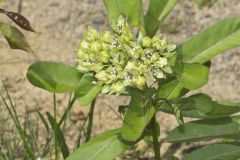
{"type": "Point", "coordinates": [60, 26]}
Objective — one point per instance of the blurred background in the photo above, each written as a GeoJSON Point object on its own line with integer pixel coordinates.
{"type": "Point", "coordinates": [60, 26]}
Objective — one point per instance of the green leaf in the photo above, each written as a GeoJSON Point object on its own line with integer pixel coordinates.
{"type": "Point", "coordinates": [138, 115]}
{"type": "Point", "coordinates": [202, 106]}
{"type": "Point", "coordinates": [58, 135]}
{"type": "Point", "coordinates": [212, 41]}
{"type": "Point", "coordinates": [221, 151]}
{"type": "Point", "coordinates": [15, 38]}
{"type": "Point", "coordinates": [53, 77]}
{"type": "Point", "coordinates": [130, 9]}
{"type": "Point", "coordinates": [170, 89]}
{"type": "Point", "coordinates": [194, 76]}
{"type": "Point", "coordinates": [206, 129]}
{"type": "Point", "coordinates": [157, 12]}
{"type": "Point", "coordinates": [86, 90]}
{"type": "Point", "coordinates": [106, 146]}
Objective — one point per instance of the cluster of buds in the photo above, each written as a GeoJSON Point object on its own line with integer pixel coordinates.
{"type": "Point", "coordinates": [120, 60]}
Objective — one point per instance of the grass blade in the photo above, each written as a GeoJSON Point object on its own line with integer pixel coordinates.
{"type": "Point", "coordinates": [59, 135]}
{"type": "Point", "coordinates": [12, 111]}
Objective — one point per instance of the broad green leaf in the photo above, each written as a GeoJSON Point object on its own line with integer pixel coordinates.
{"type": "Point", "coordinates": [212, 41]}
{"type": "Point", "coordinates": [106, 146]}
{"type": "Point", "coordinates": [86, 90]}
{"type": "Point", "coordinates": [157, 12]}
{"type": "Point", "coordinates": [221, 151]}
{"type": "Point", "coordinates": [113, 11]}
{"type": "Point", "coordinates": [58, 135]}
{"type": "Point", "coordinates": [15, 38]}
{"type": "Point", "coordinates": [200, 106]}
{"type": "Point", "coordinates": [132, 10]}
{"type": "Point", "coordinates": [170, 89]}
{"type": "Point", "coordinates": [194, 76]}
{"type": "Point", "coordinates": [206, 129]}
{"type": "Point", "coordinates": [139, 113]}
{"type": "Point", "coordinates": [54, 77]}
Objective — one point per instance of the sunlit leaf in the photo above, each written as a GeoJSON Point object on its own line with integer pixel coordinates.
{"type": "Point", "coordinates": [86, 90]}
{"type": "Point", "coordinates": [58, 135]}
{"type": "Point", "coordinates": [212, 41]}
{"type": "Point", "coordinates": [194, 76]}
{"type": "Point", "coordinates": [200, 106]}
{"type": "Point", "coordinates": [132, 10]}
{"type": "Point", "coordinates": [157, 12]}
{"type": "Point", "coordinates": [106, 146]}
{"type": "Point", "coordinates": [54, 77]}
{"type": "Point", "coordinates": [139, 113]}
{"type": "Point", "coordinates": [221, 151]}
{"type": "Point", "coordinates": [205, 129]}
{"type": "Point", "coordinates": [15, 38]}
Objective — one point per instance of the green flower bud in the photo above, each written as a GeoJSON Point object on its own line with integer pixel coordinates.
{"type": "Point", "coordinates": [82, 55]}
{"type": "Point", "coordinates": [167, 69]}
{"type": "Point", "coordinates": [159, 46]}
{"type": "Point", "coordinates": [130, 51]}
{"type": "Point", "coordinates": [123, 39]}
{"type": "Point", "coordinates": [162, 62]}
{"type": "Point", "coordinates": [118, 87]}
{"type": "Point", "coordinates": [168, 54]}
{"type": "Point", "coordinates": [91, 34]}
{"type": "Point", "coordinates": [107, 37]}
{"type": "Point", "coordinates": [159, 74]}
{"type": "Point", "coordinates": [139, 82]}
{"type": "Point", "coordinates": [119, 59]}
{"type": "Point", "coordinates": [154, 57]}
{"type": "Point", "coordinates": [146, 41]}
{"type": "Point", "coordinates": [106, 89]}
{"type": "Point", "coordinates": [102, 75]}
{"type": "Point", "coordinates": [119, 26]}
{"type": "Point", "coordinates": [126, 30]}
{"type": "Point", "coordinates": [171, 47]}
{"type": "Point", "coordinates": [92, 56]}
{"type": "Point", "coordinates": [120, 21]}
{"type": "Point", "coordinates": [156, 38]}
{"type": "Point", "coordinates": [142, 69]}
{"type": "Point", "coordinates": [130, 66]}
{"type": "Point", "coordinates": [104, 56]}
{"type": "Point", "coordinates": [163, 44]}
{"type": "Point", "coordinates": [112, 73]}
{"type": "Point", "coordinates": [114, 53]}
{"type": "Point", "coordinates": [84, 45]}
{"type": "Point", "coordinates": [97, 67]}
{"type": "Point", "coordinates": [95, 46]}
{"type": "Point", "coordinates": [83, 69]}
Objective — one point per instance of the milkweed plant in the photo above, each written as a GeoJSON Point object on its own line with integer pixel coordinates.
{"type": "Point", "coordinates": [133, 59]}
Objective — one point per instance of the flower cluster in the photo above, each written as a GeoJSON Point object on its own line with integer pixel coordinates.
{"type": "Point", "coordinates": [119, 59]}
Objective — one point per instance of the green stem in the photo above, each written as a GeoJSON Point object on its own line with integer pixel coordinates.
{"type": "Point", "coordinates": [90, 121]}
{"type": "Point", "coordinates": [55, 131]}
{"type": "Point", "coordinates": [156, 144]}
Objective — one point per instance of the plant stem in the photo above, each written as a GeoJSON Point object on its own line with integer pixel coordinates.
{"type": "Point", "coordinates": [55, 131]}
{"type": "Point", "coordinates": [90, 121]}
{"type": "Point", "coordinates": [156, 144]}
